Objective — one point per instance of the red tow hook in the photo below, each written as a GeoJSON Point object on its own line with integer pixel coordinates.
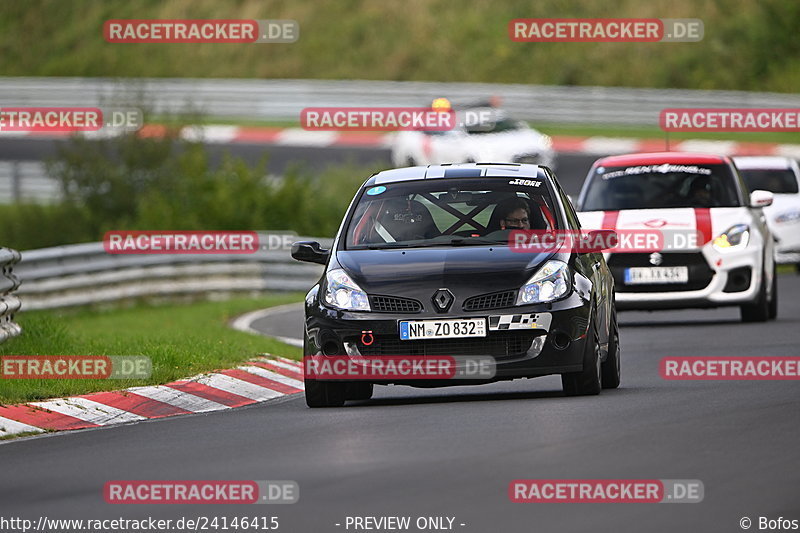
{"type": "Point", "coordinates": [367, 335]}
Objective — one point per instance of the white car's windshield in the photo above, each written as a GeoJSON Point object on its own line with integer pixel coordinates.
{"type": "Point", "coordinates": [661, 186]}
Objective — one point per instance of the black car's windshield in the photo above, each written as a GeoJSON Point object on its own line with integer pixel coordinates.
{"type": "Point", "coordinates": [661, 186]}
{"type": "Point", "coordinates": [449, 212]}
{"type": "Point", "coordinates": [775, 180]}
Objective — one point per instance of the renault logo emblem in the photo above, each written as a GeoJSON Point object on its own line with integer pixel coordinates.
{"type": "Point", "coordinates": [656, 258]}
{"type": "Point", "coordinates": [442, 299]}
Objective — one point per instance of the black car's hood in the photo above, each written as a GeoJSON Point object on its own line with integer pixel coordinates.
{"type": "Point", "coordinates": [417, 273]}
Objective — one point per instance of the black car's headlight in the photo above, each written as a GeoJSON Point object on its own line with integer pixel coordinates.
{"type": "Point", "coordinates": [734, 238]}
{"type": "Point", "coordinates": [342, 292]}
{"type": "Point", "coordinates": [550, 282]}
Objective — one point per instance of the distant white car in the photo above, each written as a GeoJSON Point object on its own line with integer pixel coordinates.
{"type": "Point", "coordinates": [780, 176]}
{"type": "Point", "coordinates": [497, 140]}
{"type": "Point", "coordinates": [731, 259]}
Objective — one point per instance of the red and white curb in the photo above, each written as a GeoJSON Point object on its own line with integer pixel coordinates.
{"type": "Point", "coordinates": [259, 380]}
{"type": "Point", "coordinates": [597, 145]}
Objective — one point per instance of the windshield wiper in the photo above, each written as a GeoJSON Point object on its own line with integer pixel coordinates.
{"type": "Point", "coordinates": [387, 245]}
{"type": "Point", "coordinates": [455, 241]}
{"type": "Point", "coordinates": [463, 241]}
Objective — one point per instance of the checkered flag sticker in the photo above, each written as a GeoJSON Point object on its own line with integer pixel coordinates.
{"type": "Point", "coordinates": [520, 321]}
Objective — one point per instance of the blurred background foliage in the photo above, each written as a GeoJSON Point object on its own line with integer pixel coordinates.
{"type": "Point", "coordinates": [748, 44]}
{"type": "Point", "coordinates": [166, 183]}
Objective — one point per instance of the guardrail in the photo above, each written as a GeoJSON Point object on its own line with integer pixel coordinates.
{"type": "Point", "coordinates": [284, 99]}
{"type": "Point", "coordinates": [83, 274]}
{"type": "Point", "coordinates": [27, 181]}
{"type": "Point", "coordinates": [9, 303]}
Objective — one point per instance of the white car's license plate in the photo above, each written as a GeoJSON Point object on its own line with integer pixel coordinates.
{"type": "Point", "coordinates": [655, 275]}
{"type": "Point", "coordinates": [442, 329]}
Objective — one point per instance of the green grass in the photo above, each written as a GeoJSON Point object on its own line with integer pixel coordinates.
{"type": "Point", "coordinates": [22, 435]}
{"type": "Point", "coordinates": [181, 340]}
{"type": "Point", "coordinates": [656, 133]}
{"type": "Point", "coordinates": [747, 45]}
{"type": "Point", "coordinates": [224, 121]}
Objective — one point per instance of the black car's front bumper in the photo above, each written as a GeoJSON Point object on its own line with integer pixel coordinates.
{"type": "Point", "coordinates": [517, 353]}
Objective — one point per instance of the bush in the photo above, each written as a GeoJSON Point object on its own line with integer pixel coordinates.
{"type": "Point", "coordinates": [165, 183]}
{"type": "Point", "coordinates": [27, 226]}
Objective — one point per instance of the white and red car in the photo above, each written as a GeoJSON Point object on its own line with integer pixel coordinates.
{"type": "Point", "coordinates": [494, 137]}
{"type": "Point", "coordinates": [780, 176]}
{"type": "Point", "coordinates": [730, 262]}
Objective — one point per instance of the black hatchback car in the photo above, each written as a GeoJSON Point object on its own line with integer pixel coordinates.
{"type": "Point", "coordinates": [423, 266]}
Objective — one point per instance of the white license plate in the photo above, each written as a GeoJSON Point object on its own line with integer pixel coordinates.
{"type": "Point", "coordinates": [442, 329]}
{"type": "Point", "coordinates": [655, 275]}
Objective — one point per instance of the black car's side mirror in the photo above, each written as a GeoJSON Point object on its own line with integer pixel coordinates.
{"type": "Point", "coordinates": [310, 252]}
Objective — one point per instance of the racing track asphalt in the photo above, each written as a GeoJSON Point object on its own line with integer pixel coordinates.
{"type": "Point", "coordinates": [453, 452]}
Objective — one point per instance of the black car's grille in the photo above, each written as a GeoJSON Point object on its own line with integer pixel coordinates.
{"type": "Point", "coordinates": [495, 300]}
{"type": "Point", "coordinates": [700, 274]}
{"type": "Point", "coordinates": [497, 344]}
{"type": "Point", "coordinates": [393, 304]}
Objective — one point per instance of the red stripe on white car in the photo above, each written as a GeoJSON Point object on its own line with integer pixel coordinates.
{"type": "Point", "coordinates": [427, 147]}
{"type": "Point", "coordinates": [610, 220]}
{"type": "Point", "coordinates": [702, 217]}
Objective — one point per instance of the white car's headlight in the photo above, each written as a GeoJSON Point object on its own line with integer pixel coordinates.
{"type": "Point", "coordinates": [551, 281]}
{"type": "Point", "coordinates": [788, 216]}
{"type": "Point", "coordinates": [734, 238]}
{"type": "Point", "coordinates": [342, 292]}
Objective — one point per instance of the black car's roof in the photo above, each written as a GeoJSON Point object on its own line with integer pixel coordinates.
{"type": "Point", "coordinates": [463, 170]}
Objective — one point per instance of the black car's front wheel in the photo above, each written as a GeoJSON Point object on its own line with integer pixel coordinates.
{"type": "Point", "coordinates": [588, 381]}
{"type": "Point", "coordinates": [358, 390]}
{"type": "Point", "coordinates": [611, 366]}
{"type": "Point", "coordinates": [325, 393]}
